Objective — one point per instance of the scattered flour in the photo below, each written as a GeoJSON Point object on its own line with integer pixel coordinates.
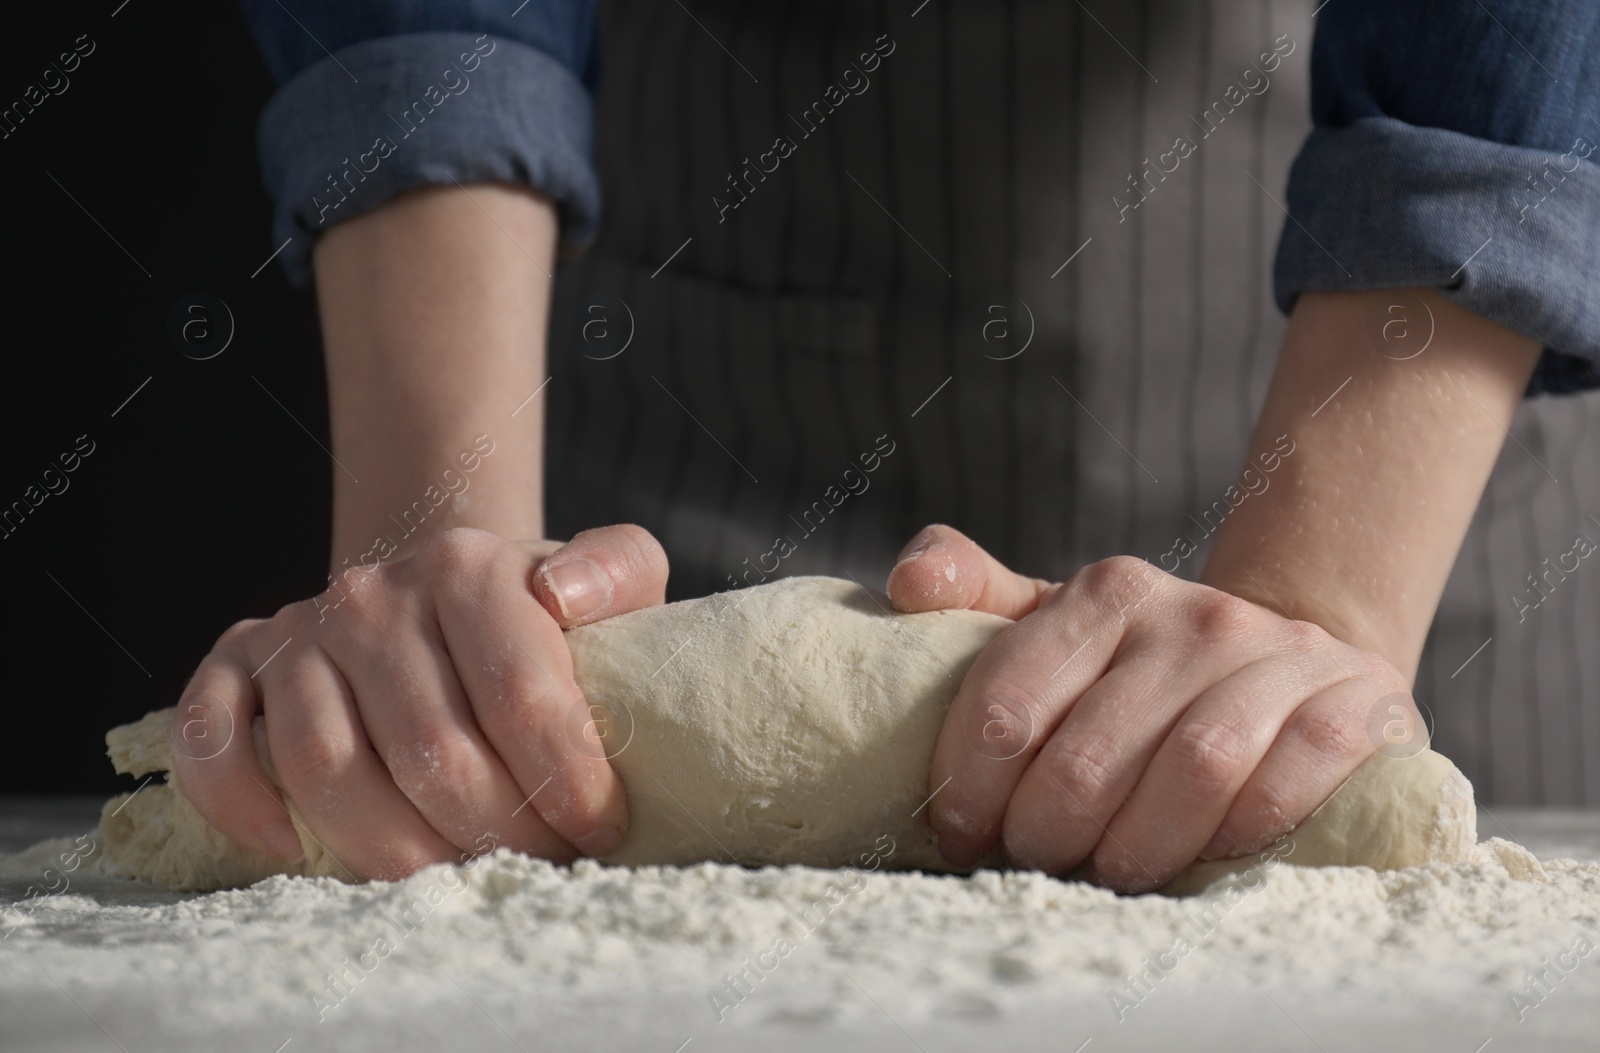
{"type": "Point", "coordinates": [730, 947]}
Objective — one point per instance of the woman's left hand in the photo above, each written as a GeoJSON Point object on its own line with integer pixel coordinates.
{"type": "Point", "coordinates": [1135, 721]}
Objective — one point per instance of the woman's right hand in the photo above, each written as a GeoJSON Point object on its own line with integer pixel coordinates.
{"type": "Point", "coordinates": [421, 709]}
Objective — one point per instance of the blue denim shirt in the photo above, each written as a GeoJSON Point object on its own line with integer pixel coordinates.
{"type": "Point", "coordinates": [1451, 146]}
{"type": "Point", "coordinates": [378, 96]}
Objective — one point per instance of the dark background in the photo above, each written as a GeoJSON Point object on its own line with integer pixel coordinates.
{"type": "Point", "coordinates": [203, 501]}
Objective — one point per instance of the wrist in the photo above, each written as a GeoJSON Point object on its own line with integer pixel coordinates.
{"type": "Point", "coordinates": [1314, 598]}
{"type": "Point", "coordinates": [483, 481]}
{"type": "Point", "coordinates": [1358, 529]}
{"type": "Point", "coordinates": [434, 312]}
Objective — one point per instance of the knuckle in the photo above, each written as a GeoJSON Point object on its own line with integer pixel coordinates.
{"type": "Point", "coordinates": [1210, 757]}
{"type": "Point", "coordinates": [202, 726]}
{"type": "Point", "coordinates": [505, 699]}
{"type": "Point", "coordinates": [498, 568]}
{"type": "Point", "coordinates": [1078, 768]}
{"type": "Point", "coordinates": [430, 764]}
{"type": "Point", "coordinates": [1331, 734]}
{"type": "Point", "coordinates": [295, 617]}
{"type": "Point", "coordinates": [1015, 700]}
{"type": "Point", "coordinates": [1006, 718]}
{"type": "Point", "coordinates": [1116, 571]}
{"type": "Point", "coordinates": [239, 631]}
{"type": "Point", "coordinates": [456, 551]}
{"type": "Point", "coordinates": [1271, 810]}
{"type": "Point", "coordinates": [1221, 615]}
{"type": "Point", "coordinates": [1305, 636]}
{"type": "Point", "coordinates": [1377, 668]}
{"type": "Point", "coordinates": [313, 762]}
{"type": "Point", "coordinates": [354, 593]}
{"type": "Point", "coordinates": [1121, 581]}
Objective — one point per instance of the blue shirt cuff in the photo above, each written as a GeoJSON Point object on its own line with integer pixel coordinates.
{"type": "Point", "coordinates": [377, 118]}
{"type": "Point", "coordinates": [1384, 204]}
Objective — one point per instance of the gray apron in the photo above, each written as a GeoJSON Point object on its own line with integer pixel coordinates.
{"type": "Point", "coordinates": [862, 271]}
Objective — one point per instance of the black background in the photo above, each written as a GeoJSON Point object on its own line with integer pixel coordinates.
{"type": "Point", "coordinates": [203, 501]}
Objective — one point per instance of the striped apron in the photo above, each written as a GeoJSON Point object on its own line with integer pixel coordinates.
{"type": "Point", "coordinates": [869, 266]}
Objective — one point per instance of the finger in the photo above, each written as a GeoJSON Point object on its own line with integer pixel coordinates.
{"type": "Point", "coordinates": [603, 572]}
{"type": "Point", "coordinates": [1071, 800]}
{"type": "Point", "coordinates": [942, 569]}
{"type": "Point", "coordinates": [1196, 774]}
{"type": "Point", "coordinates": [1071, 792]}
{"type": "Point", "coordinates": [419, 720]}
{"type": "Point", "coordinates": [214, 757]}
{"type": "Point", "coordinates": [1016, 694]}
{"type": "Point", "coordinates": [517, 672]}
{"type": "Point", "coordinates": [1320, 745]}
{"type": "Point", "coordinates": [351, 806]}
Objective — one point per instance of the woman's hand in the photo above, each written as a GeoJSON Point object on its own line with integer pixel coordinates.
{"type": "Point", "coordinates": [419, 708]}
{"type": "Point", "coordinates": [1134, 721]}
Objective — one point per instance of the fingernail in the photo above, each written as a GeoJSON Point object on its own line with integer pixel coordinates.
{"type": "Point", "coordinates": [1221, 846]}
{"type": "Point", "coordinates": [957, 850]}
{"type": "Point", "coordinates": [1136, 885]}
{"type": "Point", "coordinates": [921, 546]}
{"type": "Point", "coordinates": [1240, 849]}
{"type": "Point", "coordinates": [601, 842]}
{"type": "Point", "coordinates": [579, 585]}
{"type": "Point", "coordinates": [283, 841]}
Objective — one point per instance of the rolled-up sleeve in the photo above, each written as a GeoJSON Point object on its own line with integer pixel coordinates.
{"type": "Point", "coordinates": [375, 98]}
{"type": "Point", "coordinates": [1455, 146]}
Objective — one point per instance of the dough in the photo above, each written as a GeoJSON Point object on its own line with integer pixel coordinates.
{"type": "Point", "coordinates": [792, 722]}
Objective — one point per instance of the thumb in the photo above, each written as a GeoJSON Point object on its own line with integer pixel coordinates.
{"type": "Point", "coordinates": [602, 572]}
{"type": "Point", "coordinates": [942, 569]}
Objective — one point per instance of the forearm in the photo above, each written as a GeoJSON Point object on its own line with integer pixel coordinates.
{"type": "Point", "coordinates": [1358, 528]}
{"type": "Point", "coordinates": [434, 311]}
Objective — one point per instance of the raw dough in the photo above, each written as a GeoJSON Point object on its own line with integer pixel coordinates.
{"type": "Point", "coordinates": [787, 723]}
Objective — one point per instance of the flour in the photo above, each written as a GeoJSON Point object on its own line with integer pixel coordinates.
{"type": "Point", "coordinates": [1484, 940]}
{"type": "Point", "coordinates": [702, 937]}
